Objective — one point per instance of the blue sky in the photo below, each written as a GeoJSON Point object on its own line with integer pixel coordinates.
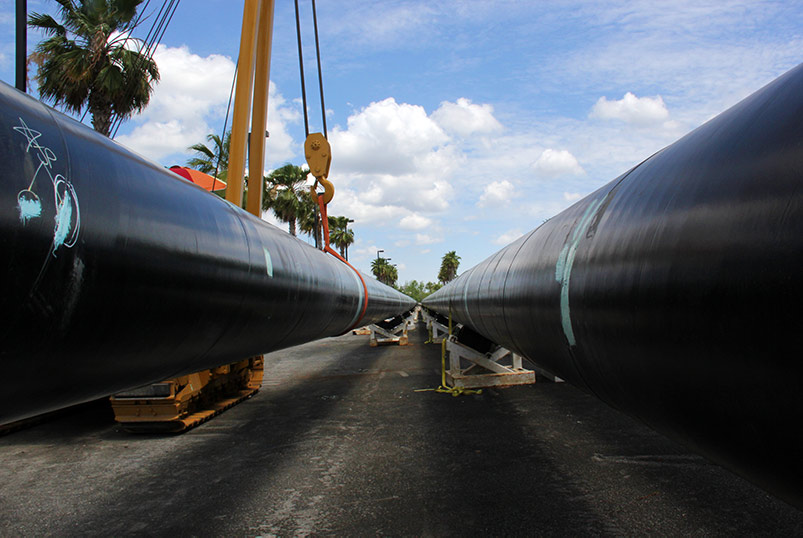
{"type": "Point", "coordinates": [460, 125]}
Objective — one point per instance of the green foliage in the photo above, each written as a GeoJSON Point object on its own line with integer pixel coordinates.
{"type": "Point", "coordinates": [210, 159]}
{"type": "Point", "coordinates": [419, 290]}
{"type": "Point", "coordinates": [88, 60]}
{"type": "Point", "coordinates": [283, 193]}
{"type": "Point", "coordinates": [414, 289]}
{"type": "Point", "coordinates": [449, 265]}
{"type": "Point", "coordinates": [340, 235]}
{"type": "Point", "coordinates": [384, 272]}
{"type": "Point", "coordinates": [308, 220]}
{"type": "Point", "coordinates": [432, 287]}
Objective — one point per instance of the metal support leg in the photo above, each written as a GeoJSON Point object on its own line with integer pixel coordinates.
{"type": "Point", "coordinates": [397, 335]}
{"type": "Point", "coordinates": [485, 369]}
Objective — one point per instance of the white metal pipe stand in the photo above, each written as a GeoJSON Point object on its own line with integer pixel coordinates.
{"type": "Point", "coordinates": [484, 369]}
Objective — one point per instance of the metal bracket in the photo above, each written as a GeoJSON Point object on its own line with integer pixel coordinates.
{"type": "Point", "coordinates": [495, 373]}
{"type": "Point", "coordinates": [437, 331]}
{"type": "Point", "coordinates": [396, 335]}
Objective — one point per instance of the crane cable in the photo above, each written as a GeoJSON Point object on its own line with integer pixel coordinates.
{"type": "Point", "coordinates": [301, 70]}
{"type": "Point", "coordinates": [151, 42]}
{"type": "Point", "coordinates": [226, 121]}
{"type": "Point", "coordinates": [321, 198]}
{"type": "Point", "coordinates": [320, 77]}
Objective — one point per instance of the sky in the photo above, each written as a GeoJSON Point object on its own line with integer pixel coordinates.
{"type": "Point", "coordinates": [460, 125]}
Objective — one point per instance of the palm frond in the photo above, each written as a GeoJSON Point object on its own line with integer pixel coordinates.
{"type": "Point", "coordinates": [46, 23]}
{"type": "Point", "coordinates": [81, 64]}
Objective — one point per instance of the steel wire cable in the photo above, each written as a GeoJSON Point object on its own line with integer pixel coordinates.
{"type": "Point", "coordinates": [226, 121]}
{"type": "Point", "coordinates": [301, 71]}
{"type": "Point", "coordinates": [152, 41]}
{"type": "Point", "coordinates": [320, 76]}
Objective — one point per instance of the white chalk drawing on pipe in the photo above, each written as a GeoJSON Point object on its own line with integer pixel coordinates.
{"type": "Point", "coordinates": [563, 267]}
{"type": "Point", "coordinates": [68, 214]}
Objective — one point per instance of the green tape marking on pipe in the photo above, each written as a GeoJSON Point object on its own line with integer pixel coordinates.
{"type": "Point", "coordinates": [268, 262]}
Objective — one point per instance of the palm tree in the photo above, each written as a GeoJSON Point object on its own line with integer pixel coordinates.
{"type": "Point", "coordinates": [340, 235]}
{"type": "Point", "coordinates": [378, 268]}
{"type": "Point", "coordinates": [308, 220]}
{"type": "Point", "coordinates": [449, 265]}
{"type": "Point", "coordinates": [212, 159]}
{"type": "Point", "coordinates": [86, 60]}
{"type": "Point", "coordinates": [393, 276]}
{"type": "Point", "coordinates": [286, 206]}
{"type": "Point", "coordinates": [431, 287]}
{"type": "Point", "coordinates": [384, 272]}
{"type": "Point", "coordinates": [282, 193]}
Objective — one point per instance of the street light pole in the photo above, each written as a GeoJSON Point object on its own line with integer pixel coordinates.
{"type": "Point", "coordinates": [22, 45]}
{"type": "Point", "coordinates": [348, 221]}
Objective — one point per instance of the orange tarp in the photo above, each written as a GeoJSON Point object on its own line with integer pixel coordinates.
{"type": "Point", "coordinates": [199, 178]}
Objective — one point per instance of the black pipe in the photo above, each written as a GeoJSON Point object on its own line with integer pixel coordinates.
{"type": "Point", "coordinates": [22, 45]}
{"type": "Point", "coordinates": [674, 292]}
{"type": "Point", "coordinates": [115, 272]}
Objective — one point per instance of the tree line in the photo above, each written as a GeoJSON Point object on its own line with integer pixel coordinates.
{"type": "Point", "coordinates": [448, 272]}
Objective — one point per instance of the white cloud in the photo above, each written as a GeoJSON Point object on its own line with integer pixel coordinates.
{"type": "Point", "coordinates": [640, 111]}
{"type": "Point", "coordinates": [415, 222]}
{"type": "Point", "coordinates": [360, 252]}
{"type": "Point", "coordinates": [393, 156]}
{"type": "Point", "coordinates": [350, 203]}
{"type": "Point", "coordinates": [378, 24]}
{"type": "Point", "coordinates": [465, 118]}
{"type": "Point", "coordinates": [387, 138]}
{"type": "Point", "coordinates": [426, 239]}
{"type": "Point", "coordinates": [193, 92]}
{"type": "Point", "coordinates": [189, 90]}
{"type": "Point", "coordinates": [271, 218]}
{"type": "Point", "coordinates": [158, 139]}
{"type": "Point", "coordinates": [554, 163]}
{"type": "Point", "coordinates": [280, 147]}
{"type": "Point", "coordinates": [497, 193]}
{"type": "Point", "coordinates": [572, 196]}
{"type": "Point", "coordinates": [508, 237]}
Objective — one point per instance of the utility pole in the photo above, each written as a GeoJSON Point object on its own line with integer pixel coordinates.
{"type": "Point", "coordinates": [22, 45]}
{"type": "Point", "coordinates": [348, 221]}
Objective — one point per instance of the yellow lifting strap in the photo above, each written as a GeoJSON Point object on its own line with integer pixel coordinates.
{"type": "Point", "coordinates": [444, 388]}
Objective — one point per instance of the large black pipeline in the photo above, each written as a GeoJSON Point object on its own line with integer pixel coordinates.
{"type": "Point", "coordinates": [674, 292]}
{"type": "Point", "coordinates": [115, 272]}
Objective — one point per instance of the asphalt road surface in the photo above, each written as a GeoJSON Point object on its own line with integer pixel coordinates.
{"type": "Point", "coordinates": [338, 443]}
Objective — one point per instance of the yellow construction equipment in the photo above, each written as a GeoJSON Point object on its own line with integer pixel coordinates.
{"type": "Point", "coordinates": [176, 405]}
{"type": "Point", "coordinates": [181, 403]}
